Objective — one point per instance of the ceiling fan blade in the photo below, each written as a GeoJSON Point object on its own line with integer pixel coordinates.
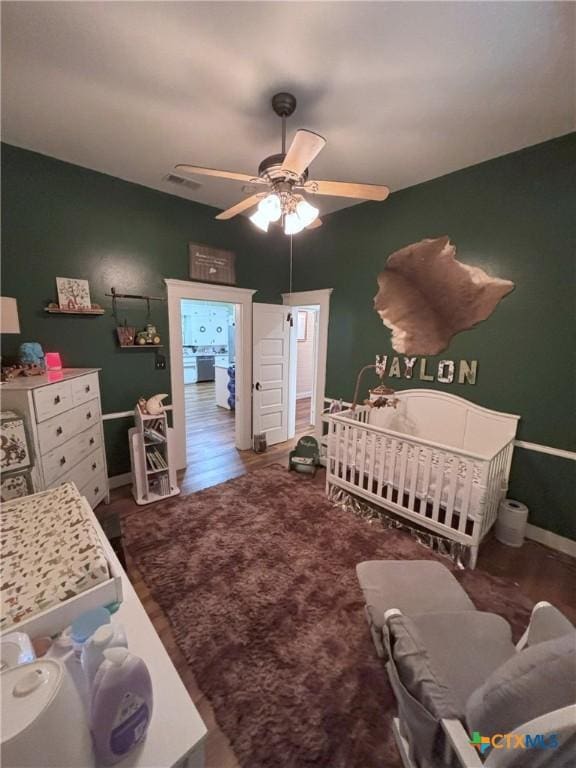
{"type": "Point", "coordinates": [198, 170]}
{"type": "Point", "coordinates": [315, 224]}
{"type": "Point", "coordinates": [243, 205]}
{"type": "Point", "coordinates": [348, 189]}
{"type": "Point", "coordinates": [304, 148]}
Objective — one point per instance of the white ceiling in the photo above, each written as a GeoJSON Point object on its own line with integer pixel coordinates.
{"type": "Point", "coordinates": [404, 92]}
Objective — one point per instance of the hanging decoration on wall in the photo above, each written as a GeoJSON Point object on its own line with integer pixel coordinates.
{"type": "Point", "coordinates": [211, 265]}
{"type": "Point", "coordinates": [73, 293]}
{"type": "Point", "coordinates": [426, 297]}
{"type": "Point", "coordinates": [446, 371]}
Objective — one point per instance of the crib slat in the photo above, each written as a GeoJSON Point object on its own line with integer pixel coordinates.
{"type": "Point", "coordinates": [390, 486]}
{"type": "Point", "coordinates": [452, 489]}
{"type": "Point", "coordinates": [362, 467]}
{"type": "Point", "coordinates": [439, 477]}
{"type": "Point", "coordinates": [353, 453]}
{"type": "Point", "coordinates": [346, 454]}
{"type": "Point", "coordinates": [414, 465]}
{"type": "Point", "coordinates": [372, 447]}
{"type": "Point", "coordinates": [381, 465]}
{"type": "Point", "coordinates": [337, 450]}
{"type": "Point", "coordinates": [466, 496]}
{"type": "Point", "coordinates": [426, 481]}
{"type": "Point", "coordinates": [402, 479]}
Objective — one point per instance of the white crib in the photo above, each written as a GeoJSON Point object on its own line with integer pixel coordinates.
{"type": "Point", "coordinates": [437, 460]}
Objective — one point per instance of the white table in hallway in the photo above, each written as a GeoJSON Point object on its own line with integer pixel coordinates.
{"type": "Point", "coordinates": [176, 733]}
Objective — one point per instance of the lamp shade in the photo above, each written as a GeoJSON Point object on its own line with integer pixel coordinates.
{"type": "Point", "coordinates": [293, 224]}
{"type": "Point", "coordinates": [9, 322]}
{"type": "Point", "coordinates": [260, 220]}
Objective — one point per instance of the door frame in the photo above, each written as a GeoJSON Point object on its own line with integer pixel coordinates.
{"type": "Point", "coordinates": [242, 298]}
{"type": "Point", "coordinates": [320, 298]}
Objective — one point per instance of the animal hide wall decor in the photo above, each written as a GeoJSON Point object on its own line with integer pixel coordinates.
{"type": "Point", "coordinates": [426, 296]}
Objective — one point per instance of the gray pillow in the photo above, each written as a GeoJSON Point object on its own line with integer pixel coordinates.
{"type": "Point", "coordinates": [416, 671]}
{"type": "Point", "coordinates": [534, 681]}
{"type": "Point", "coordinates": [547, 623]}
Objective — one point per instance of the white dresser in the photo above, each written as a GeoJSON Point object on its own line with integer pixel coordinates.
{"type": "Point", "coordinates": [64, 421]}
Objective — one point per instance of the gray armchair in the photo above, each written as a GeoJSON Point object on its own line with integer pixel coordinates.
{"type": "Point", "coordinates": [466, 695]}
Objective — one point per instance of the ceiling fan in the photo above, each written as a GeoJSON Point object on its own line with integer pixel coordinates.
{"type": "Point", "coordinates": [283, 184]}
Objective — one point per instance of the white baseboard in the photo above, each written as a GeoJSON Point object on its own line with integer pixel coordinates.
{"type": "Point", "coordinates": [117, 481]}
{"type": "Point", "coordinates": [552, 540]}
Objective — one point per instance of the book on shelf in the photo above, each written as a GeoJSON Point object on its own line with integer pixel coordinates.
{"type": "Point", "coordinates": [154, 435]}
{"type": "Point", "coordinates": [155, 459]}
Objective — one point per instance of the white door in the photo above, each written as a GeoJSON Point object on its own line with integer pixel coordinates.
{"type": "Point", "coordinates": [270, 369]}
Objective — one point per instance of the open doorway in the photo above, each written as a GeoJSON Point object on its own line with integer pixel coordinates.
{"type": "Point", "coordinates": [306, 328]}
{"type": "Point", "coordinates": [241, 418]}
{"type": "Point", "coordinates": [308, 353]}
{"type": "Point", "coordinates": [208, 362]}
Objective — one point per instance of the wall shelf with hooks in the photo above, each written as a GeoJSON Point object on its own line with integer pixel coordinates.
{"type": "Point", "coordinates": [88, 312]}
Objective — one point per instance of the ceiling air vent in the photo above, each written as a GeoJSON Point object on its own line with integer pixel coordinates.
{"type": "Point", "coordinates": [172, 178]}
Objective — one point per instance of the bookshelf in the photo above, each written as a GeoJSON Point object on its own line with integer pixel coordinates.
{"type": "Point", "coordinates": [153, 475]}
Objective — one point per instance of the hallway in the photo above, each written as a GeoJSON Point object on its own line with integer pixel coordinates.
{"type": "Point", "coordinates": [210, 450]}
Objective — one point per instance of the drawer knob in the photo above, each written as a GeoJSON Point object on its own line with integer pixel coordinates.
{"type": "Point", "coordinates": [96, 490]}
{"type": "Point", "coordinates": [94, 465]}
{"type": "Point", "coordinates": [87, 388]}
{"type": "Point", "coordinates": [63, 460]}
{"type": "Point", "coordinates": [89, 415]}
{"type": "Point", "coordinates": [91, 441]}
{"type": "Point", "coordinates": [56, 399]}
{"type": "Point", "coordinates": [59, 430]}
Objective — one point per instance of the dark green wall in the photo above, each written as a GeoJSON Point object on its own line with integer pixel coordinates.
{"type": "Point", "coordinates": [513, 216]}
{"type": "Point", "coordinates": [62, 220]}
{"type": "Point", "coordinates": [516, 218]}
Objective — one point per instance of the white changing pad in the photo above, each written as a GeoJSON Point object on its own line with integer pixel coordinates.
{"type": "Point", "coordinates": [50, 552]}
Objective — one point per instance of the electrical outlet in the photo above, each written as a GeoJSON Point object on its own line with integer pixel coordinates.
{"type": "Point", "coordinates": [160, 362]}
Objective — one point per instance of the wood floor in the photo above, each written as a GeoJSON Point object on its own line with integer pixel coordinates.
{"type": "Point", "coordinates": [210, 450]}
{"type": "Point", "coordinates": [541, 573]}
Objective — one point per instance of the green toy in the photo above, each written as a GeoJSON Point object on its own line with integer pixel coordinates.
{"type": "Point", "coordinates": [306, 456]}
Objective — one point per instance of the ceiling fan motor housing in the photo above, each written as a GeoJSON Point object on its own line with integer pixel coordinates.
{"type": "Point", "coordinates": [283, 104]}
{"type": "Point", "coordinates": [270, 169]}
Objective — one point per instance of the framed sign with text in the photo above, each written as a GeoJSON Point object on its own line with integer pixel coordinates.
{"type": "Point", "coordinates": [211, 265]}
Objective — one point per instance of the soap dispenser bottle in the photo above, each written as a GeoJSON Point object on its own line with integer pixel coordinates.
{"type": "Point", "coordinates": [106, 636]}
{"type": "Point", "coordinates": [121, 705]}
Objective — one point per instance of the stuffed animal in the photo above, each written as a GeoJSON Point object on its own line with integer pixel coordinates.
{"type": "Point", "coordinates": [154, 405]}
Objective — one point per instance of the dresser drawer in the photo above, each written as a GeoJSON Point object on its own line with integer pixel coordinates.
{"type": "Point", "coordinates": [84, 388]}
{"type": "Point", "coordinates": [95, 490]}
{"type": "Point", "coordinates": [87, 469]}
{"type": "Point", "coordinates": [52, 400]}
{"type": "Point", "coordinates": [59, 429]}
{"type": "Point", "coordinates": [62, 459]}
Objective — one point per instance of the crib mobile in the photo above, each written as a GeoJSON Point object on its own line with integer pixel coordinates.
{"type": "Point", "coordinates": [379, 397]}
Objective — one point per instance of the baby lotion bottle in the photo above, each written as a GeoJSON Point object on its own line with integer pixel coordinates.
{"type": "Point", "coordinates": [121, 705]}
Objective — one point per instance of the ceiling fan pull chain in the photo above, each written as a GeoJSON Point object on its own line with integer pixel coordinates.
{"type": "Point", "coordinates": [283, 134]}
{"type": "Point", "coordinates": [290, 286]}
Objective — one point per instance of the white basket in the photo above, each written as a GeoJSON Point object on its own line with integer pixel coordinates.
{"type": "Point", "coordinates": [511, 523]}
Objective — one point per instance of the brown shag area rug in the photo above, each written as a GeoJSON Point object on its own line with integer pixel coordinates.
{"type": "Point", "coordinates": [257, 579]}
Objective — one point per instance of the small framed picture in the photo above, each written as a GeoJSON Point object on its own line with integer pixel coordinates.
{"type": "Point", "coordinates": [301, 326]}
{"type": "Point", "coordinates": [211, 265]}
{"type": "Point", "coordinates": [73, 293]}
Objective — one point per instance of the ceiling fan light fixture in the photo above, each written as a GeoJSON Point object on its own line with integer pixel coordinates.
{"type": "Point", "coordinates": [306, 213]}
{"type": "Point", "coordinates": [260, 220]}
{"type": "Point", "coordinates": [293, 224]}
{"type": "Point", "coordinates": [271, 207]}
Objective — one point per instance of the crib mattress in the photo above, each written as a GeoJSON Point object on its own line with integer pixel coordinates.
{"type": "Point", "coordinates": [416, 462]}
{"type": "Point", "coordinates": [50, 552]}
